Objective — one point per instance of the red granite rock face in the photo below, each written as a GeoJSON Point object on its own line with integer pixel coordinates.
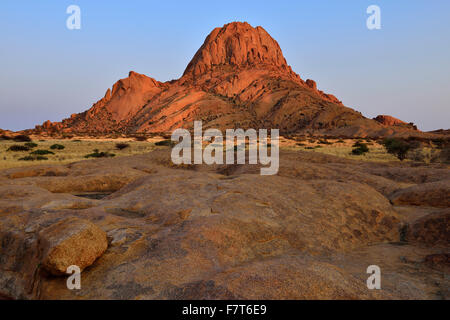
{"type": "Point", "coordinates": [237, 44]}
{"type": "Point", "coordinates": [239, 77]}
{"type": "Point", "coordinates": [388, 120]}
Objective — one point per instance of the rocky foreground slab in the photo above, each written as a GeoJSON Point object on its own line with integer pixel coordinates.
{"type": "Point", "coordinates": [142, 228]}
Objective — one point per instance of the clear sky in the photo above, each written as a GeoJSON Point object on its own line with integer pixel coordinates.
{"type": "Point", "coordinates": [49, 72]}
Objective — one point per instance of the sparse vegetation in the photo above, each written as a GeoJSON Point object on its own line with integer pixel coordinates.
{"type": "Point", "coordinates": [42, 152]}
{"type": "Point", "coordinates": [31, 158]}
{"type": "Point", "coordinates": [397, 147]}
{"type": "Point", "coordinates": [57, 146]}
{"type": "Point", "coordinates": [18, 148]}
{"type": "Point", "coordinates": [74, 150]}
{"type": "Point", "coordinates": [165, 143]}
{"type": "Point", "coordinates": [22, 138]}
{"type": "Point", "coordinates": [360, 149]}
{"type": "Point", "coordinates": [97, 154]}
{"type": "Point", "coordinates": [31, 145]}
{"type": "Point", "coordinates": [122, 145]}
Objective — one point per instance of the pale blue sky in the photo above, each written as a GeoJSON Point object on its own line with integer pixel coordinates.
{"type": "Point", "coordinates": [50, 72]}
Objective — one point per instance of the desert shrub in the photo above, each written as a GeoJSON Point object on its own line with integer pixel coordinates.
{"type": "Point", "coordinates": [359, 144]}
{"type": "Point", "coordinates": [16, 147]}
{"type": "Point", "coordinates": [97, 154]}
{"type": "Point", "coordinates": [27, 158]}
{"type": "Point", "coordinates": [22, 138]}
{"type": "Point", "coordinates": [140, 138]}
{"type": "Point", "coordinates": [324, 142]}
{"type": "Point", "coordinates": [301, 144]}
{"type": "Point", "coordinates": [41, 152]}
{"type": "Point", "coordinates": [340, 141]}
{"type": "Point", "coordinates": [166, 143]}
{"type": "Point", "coordinates": [31, 158]}
{"type": "Point", "coordinates": [317, 147]}
{"type": "Point", "coordinates": [5, 137]}
{"type": "Point", "coordinates": [397, 147]}
{"type": "Point", "coordinates": [360, 149]}
{"type": "Point", "coordinates": [358, 152]}
{"type": "Point", "coordinates": [309, 148]}
{"type": "Point", "coordinates": [31, 145]}
{"type": "Point", "coordinates": [439, 143]}
{"type": "Point", "coordinates": [57, 147]}
{"type": "Point", "coordinates": [122, 145]}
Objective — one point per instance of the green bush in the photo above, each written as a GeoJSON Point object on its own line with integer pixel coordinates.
{"type": "Point", "coordinates": [358, 152]}
{"type": "Point", "coordinates": [22, 138]}
{"type": "Point", "coordinates": [166, 143]}
{"type": "Point", "coordinates": [16, 147]}
{"type": "Point", "coordinates": [397, 147]}
{"type": "Point", "coordinates": [31, 158]}
{"type": "Point", "coordinates": [42, 152]}
{"type": "Point", "coordinates": [27, 158]}
{"type": "Point", "coordinates": [57, 147]}
{"type": "Point", "coordinates": [360, 149]}
{"type": "Point", "coordinates": [97, 154]}
{"type": "Point", "coordinates": [121, 146]}
{"type": "Point", "coordinates": [31, 145]}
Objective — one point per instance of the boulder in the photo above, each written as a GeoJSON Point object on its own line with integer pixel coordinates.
{"type": "Point", "coordinates": [433, 229]}
{"type": "Point", "coordinates": [433, 194]}
{"type": "Point", "coordinates": [69, 242]}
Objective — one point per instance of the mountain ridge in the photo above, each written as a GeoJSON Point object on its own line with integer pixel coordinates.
{"type": "Point", "coordinates": [238, 78]}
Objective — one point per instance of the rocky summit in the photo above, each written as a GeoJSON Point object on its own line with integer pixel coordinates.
{"type": "Point", "coordinates": [141, 227]}
{"type": "Point", "coordinates": [239, 78]}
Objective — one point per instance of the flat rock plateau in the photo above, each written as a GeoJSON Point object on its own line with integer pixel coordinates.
{"type": "Point", "coordinates": [143, 228]}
